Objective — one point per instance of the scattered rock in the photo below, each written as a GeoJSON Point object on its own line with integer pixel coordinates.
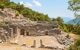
{"type": "Point", "coordinates": [24, 45]}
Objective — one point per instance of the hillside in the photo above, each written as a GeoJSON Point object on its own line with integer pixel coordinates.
{"type": "Point", "coordinates": [22, 32]}
{"type": "Point", "coordinates": [25, 11]}
{"type": "Point", "coordinates": [74, 21]}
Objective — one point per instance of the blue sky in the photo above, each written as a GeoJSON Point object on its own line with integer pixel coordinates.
{"type": "Point", "coordinates": [53, 8]}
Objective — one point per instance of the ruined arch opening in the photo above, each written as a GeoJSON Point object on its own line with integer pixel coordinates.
{"type": "Point", "coordinates": [46, 33]}
{"type": "Point", "coordinates": [22, 32]}
{"type": "Point", "coordinates": [27, 33]}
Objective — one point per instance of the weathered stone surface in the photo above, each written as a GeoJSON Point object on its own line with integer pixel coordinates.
{"type": "Point", "coordinates": [16, 26]}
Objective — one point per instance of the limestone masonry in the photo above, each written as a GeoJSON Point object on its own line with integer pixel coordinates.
{"type": "Point", "coordinates": [13, 26]}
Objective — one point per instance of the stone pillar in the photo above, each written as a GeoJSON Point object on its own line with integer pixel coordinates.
{"type": "Point", "coordinates": [25, 33]}
{"type": "Point", "coordinates": [34, 44]}
{"type": "Point", "coordinates": [11, 32]}
{"type": "Point", "coordinates": [18, 34]}
{"type": "Point", "coordinates": [3, 36]}
{"type": "Point", "coordinates": [17, 31]}
{"type": "Point", "coordinates": [42, 46]}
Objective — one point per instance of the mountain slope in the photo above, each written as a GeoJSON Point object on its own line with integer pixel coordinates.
{"type": "Point", "coordinates": [66, 19]}
{"type": "Point", "coordinates": [74, 21]}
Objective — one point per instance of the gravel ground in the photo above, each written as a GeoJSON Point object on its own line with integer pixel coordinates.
{"type": "Point", "coordinates": [49, 41]}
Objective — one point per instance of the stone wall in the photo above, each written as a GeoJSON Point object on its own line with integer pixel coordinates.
{"type": "Point", "coordinates": [18, 25]}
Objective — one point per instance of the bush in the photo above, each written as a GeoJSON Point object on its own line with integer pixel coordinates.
{"type": "Point", "coordinates": [75, 46]}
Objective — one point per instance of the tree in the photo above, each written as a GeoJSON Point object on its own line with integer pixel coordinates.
{"type": "Point", "coordinates": [60, 23]}
{"type": "Point", "coordinates": [59, 19]}
{"type": "Point", "coordinates": [74, 5]}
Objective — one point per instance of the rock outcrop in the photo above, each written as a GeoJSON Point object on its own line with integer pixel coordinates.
{"type": "Point", "coordinates": [13, 26]}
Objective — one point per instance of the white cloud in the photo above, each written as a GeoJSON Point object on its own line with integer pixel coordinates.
{"type": "Point", "coordinates": [37, 3]}
{"type": "Point", "coordinates": [30, 4]}
{"type": "Point", "coordinates": [21, 2]}
{"type": "Point", "coordinates": [26, 4]}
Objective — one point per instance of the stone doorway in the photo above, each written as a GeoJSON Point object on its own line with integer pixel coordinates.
{"type": "Point", "coordinates": [22, 32]}
{"type": "Point", "coordinates": [27, 33]}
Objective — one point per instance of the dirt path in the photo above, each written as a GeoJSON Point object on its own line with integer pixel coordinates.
{"type": "Point", "coordinates": [46, 40]}
{"type": "Point", "coordinates": [7, 46]}
{"type": "Point", "coordinates": [50, 41]}
{"type": "Point", "coordinates": [74, 36]}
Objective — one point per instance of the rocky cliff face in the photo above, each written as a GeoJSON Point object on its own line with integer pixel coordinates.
{"type": "Point", "coordinates": [10, 22]}
{"type": "Point", "coordinates": [8, 14]}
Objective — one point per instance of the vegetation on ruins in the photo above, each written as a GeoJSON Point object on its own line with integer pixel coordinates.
{"type": "Point", "coordinates": [75, 46]}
